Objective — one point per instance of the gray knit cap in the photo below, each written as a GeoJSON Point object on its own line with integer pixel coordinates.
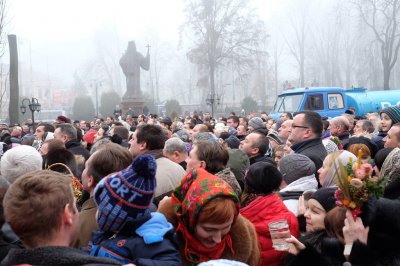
{"type": "Point", "coordinates": [256, 123]}
{"type": "Point", "coordinates": [296, 166]}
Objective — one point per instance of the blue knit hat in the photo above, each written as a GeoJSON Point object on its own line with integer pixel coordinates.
{"type": "Point", "coordinates": [393, 112]}
{"type": "Point", "coordinates": [126, 195]}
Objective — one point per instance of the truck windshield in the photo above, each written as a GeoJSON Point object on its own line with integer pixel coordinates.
{"type": "Point", "coordinates": [288, 103]}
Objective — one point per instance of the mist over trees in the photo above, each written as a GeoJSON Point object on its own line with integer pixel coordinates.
{"type": "Point", "coordinates": [228, 50]}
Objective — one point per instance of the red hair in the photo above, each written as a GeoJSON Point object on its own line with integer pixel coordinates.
{"type": "Point", "coordinates": [218, 211]}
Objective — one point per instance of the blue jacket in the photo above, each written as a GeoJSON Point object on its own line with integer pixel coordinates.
{"type": "Point", "coordinates": [147, 241]}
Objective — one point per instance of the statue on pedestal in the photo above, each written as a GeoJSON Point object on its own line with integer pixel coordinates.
{"type": "Point", "coordinates": [131, 62]}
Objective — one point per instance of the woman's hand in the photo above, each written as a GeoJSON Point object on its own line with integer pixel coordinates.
{"type": "Point", "coordinates": [354, 229]}
{"type": "Point", "coordinates": [301, 209]}
{"type": "Point", "coordinates": [296, 246]}
{"type": "Point", "coordinates": [163, 203]}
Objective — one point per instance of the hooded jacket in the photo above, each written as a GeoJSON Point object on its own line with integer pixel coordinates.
{"type": "Point", "coordinates": [262, 211]}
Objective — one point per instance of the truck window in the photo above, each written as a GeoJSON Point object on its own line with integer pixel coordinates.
{"type": "Point", "coordinates": [335, 101]}
{"type": "Point", "coordinates": [287, 103]}
{"type": "Point", "coordinates": [314, 102]}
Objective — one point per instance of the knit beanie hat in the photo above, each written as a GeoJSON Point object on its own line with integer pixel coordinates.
{"type": "Point", "coordinates": [393, 112]}
{"type": "Point", "coordinates": [204, 136]}
{"type": "Point", "coordinates": [296, 166]}
{"type": "Point", "coordinates": [256, 123]}
{"type": "Point", "coordinates": [182, 134]}
{"type": "Point", "coordinates": [126, 195]}
{"type": "Point", "coordinates": [273, 136]}
{"type": "Point", "coordinates": [325, 197]}
{"type": "Point", "coordinates": [224, 135]}
{"type": "Point", "coordinates": [262, 177]}
{"type": "Point", "coordinates": [233, 142]}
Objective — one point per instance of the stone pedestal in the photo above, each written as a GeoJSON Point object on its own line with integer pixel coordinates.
{"type": "Point", "coordinates": [136, 104]}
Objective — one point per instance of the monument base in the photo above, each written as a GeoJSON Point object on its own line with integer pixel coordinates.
{"type": "Point", "coordinates": [135, 104]}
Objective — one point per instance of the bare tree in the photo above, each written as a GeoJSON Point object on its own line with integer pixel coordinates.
{"type": "Point", "coordinates": [382, 17]}
{"type": "Point", "coordinates": [3, 24]}
{"type": "Point", "coordinates": [300, 23]}
{"type": "Point", "coordinates": [3, 88]}
{"type": "Point", "coordinates": [220, 29]}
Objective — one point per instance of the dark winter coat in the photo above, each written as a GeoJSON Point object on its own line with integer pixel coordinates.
{"type": "Point", "coordinates": [8, 241]}
{"type": "Point", "coordinates": [378, 139]}
{"type": "Point", "coordinates": [54, 256]}
{"type": "Point", "coordinates": [313, 149]}
{"type": "Point", "coordinates": [382, 217]}
{"type": "Point", "coordinates": [128, 246]}
{"type": "Point", "coordinates": [77, 149]}
{"type": "Point", "coordinates": [262, 158]}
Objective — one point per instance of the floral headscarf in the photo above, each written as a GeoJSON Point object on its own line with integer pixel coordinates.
{"type": "Point", "coordinates": [196, 189]}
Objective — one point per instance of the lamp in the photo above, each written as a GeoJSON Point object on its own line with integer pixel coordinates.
{"type": "Point", "coordinates": [34, 106]}
{"type": "Point", "coordinates": [212, 99]}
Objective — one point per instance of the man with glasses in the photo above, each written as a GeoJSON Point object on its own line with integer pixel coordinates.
{"type": "Point", "coordinates": [305, 136]}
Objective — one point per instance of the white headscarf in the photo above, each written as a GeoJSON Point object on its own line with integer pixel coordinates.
{"type": "Point", "coordinates": [343, 159]}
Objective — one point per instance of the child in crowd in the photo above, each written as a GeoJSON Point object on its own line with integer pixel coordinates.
{"type": "Point", "coordinates": [129, 232]}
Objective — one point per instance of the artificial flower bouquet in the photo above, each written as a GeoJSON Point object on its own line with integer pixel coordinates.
{"type": "Point", "coordinates": [356, 184]}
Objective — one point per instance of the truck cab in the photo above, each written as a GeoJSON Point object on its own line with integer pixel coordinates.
{"type": "Point", "coordinates": [327, 101]}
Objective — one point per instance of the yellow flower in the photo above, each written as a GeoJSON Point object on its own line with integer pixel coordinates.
{"type": "Point", "coordinates": [352, 205]}
{"type": "Point", "coordinates": [374, 179]}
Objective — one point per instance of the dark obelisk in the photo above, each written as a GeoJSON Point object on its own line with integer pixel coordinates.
{"type": "Point", "coordinates": [131, 62]}
{"type": "Point", "coordinates": [13, 109]}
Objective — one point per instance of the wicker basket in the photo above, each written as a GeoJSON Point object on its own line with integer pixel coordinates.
{"type": "Point", "coordinates": [77, 186]}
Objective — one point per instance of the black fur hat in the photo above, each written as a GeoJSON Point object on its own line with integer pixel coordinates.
{"type": "Point", "coordinates": [262, 177]}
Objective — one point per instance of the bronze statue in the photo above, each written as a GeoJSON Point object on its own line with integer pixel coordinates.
{"type": "Point", "coordinates": [130, 63]}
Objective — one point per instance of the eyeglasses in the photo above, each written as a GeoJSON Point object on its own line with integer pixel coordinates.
{"type": "Point", "coordinates": [293, 126]}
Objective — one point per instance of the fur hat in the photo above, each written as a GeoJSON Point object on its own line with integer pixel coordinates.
{"type": "Point", "coordinates": [126, 195]}
{"type": "Point", "coordinates": [262, 177]}
{"type": "Point", "coordinates": [326, 197]}
{"type": "Point", "coordinates": [256, 123]}
{"type": "Point", "coordinates": [393, 112]}
{"type": "Point", "coordinates": [20, 160]}
{"type": "Point", "coordinates": [295, 166]}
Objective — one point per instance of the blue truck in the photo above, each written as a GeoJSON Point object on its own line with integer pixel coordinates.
{"type": "Point", "coordinates": [333, 101]}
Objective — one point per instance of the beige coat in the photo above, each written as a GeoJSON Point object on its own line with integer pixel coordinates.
{"type": "Point", "coordinates": [87, 223]}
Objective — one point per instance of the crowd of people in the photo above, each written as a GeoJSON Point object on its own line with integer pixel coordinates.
{"type": "Point", "coordinates": [196, 190]}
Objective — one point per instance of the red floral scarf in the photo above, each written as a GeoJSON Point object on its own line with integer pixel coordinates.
{"type": "Point", "coordinates": [196, 189]}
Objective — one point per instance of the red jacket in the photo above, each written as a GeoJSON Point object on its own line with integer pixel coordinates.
{"type": "Point", "coordinates": [262, 211]}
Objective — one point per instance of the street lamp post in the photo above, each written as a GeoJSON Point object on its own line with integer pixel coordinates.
{"type": "Point", "coordinates": [212, 99]}
{"type": "Point", "coordinates": [96, 86]}
{"type": "Point", "coordinates": [33, 105]}
{"type": "Point", "coordinates": [117, 111]}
